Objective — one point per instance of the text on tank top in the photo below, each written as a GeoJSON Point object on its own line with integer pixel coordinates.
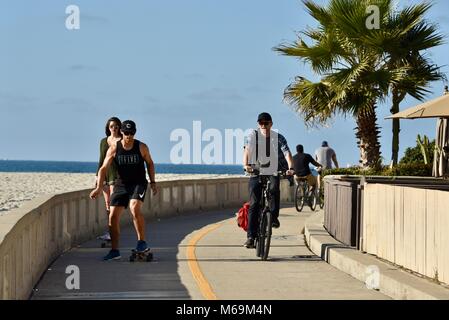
{"type": "Point", "coordinates": [130, 164]}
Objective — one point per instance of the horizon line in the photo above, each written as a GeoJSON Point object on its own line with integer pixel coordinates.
{"type": "Point", "coordinates": [168, 163]}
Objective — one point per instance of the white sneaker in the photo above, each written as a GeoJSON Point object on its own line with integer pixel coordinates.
{"type": "Point", "coordinates": [105, 237]}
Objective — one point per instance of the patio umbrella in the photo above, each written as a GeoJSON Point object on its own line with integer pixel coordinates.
{"type": "Point", "coordinates": [441, 159]}
{"type": "Point", "coordinates": [436, 108]}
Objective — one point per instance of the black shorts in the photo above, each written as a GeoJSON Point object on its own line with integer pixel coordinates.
{"type": "Point", "coordinates": [125, 192]}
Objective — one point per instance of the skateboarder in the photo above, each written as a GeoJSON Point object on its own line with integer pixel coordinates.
{"type": "Point", "coordinates": [129, 156]}
{"type": "Point", "coordinates": [113, 135]}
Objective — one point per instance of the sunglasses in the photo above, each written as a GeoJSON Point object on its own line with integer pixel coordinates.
{"type": "Point", "coordinates": [264, 123]}
{"type": "Point", "coordinates": [128, 133]}
{"type": "Point", "coordinates": [113, 127]}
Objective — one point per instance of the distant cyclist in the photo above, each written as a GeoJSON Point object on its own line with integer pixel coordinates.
{"type": "Point", "coordinates": [301, 162]}
{"type": "Point", "coordinates": [326, 155]}
{"type": "Point", "coordinates": [277, 155]}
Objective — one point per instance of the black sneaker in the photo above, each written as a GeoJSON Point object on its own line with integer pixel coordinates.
{"type": "Point", "coordinates": [275, 223]}
{"type": "Point", "coordinates": [249, 243]}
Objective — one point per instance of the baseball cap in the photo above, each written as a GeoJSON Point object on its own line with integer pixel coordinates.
{"type": "Point", "coordinates": [324, 144]}
{"type": "Point", "coordinates": [264, 116]}
{"type": "Point", "coordinates": [128, 126]}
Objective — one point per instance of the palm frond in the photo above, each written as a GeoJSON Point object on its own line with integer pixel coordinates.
{"type": "Point", "coordinates": [311, 100]}
{"type": "Point", "coordinates": [319, 13]}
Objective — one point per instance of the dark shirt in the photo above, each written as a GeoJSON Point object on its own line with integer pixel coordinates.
{"type": "Point", "coordinates": [112, 174]}
{"type": "Point", "coordinates": [130, 164]}
{"type": "Point", "coordinates": [301, 163]}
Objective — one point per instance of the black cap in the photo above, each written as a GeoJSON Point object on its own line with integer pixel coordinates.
{"type": "Point", "coordinates": [128, 126]}
{"type": "Point", "coordinates": [264, 116]}
{"type": "Point", "coordinates": [324, 144]}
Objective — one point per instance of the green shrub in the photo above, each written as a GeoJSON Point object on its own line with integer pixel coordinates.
{"type": "Point", "coordinates": [412, 164]}
{"type": "Point", "coordinates": [342, 171]}
{"type": "Point", "coordinates": [415, 154]}
{"type": "Point", "coordinates": [409, 169]}
{"type": "Point", "coordinates": [404, 169]}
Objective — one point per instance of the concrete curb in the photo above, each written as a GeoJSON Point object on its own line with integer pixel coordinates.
{"type": "Point", "coordinates": [393, 282]}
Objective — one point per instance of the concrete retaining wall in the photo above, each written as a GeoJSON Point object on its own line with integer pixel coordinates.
{"type": "Point", "coordinates": [32, 236]}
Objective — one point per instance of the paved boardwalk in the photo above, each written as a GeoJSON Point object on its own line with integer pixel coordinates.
{"type": "Point", "coordinates": [201, 254]}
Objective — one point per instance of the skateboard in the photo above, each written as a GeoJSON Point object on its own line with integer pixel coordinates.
{"type": "Point", "coordinates": [106, 243]}
{"type": "Point", "coordinates": [145, 255]}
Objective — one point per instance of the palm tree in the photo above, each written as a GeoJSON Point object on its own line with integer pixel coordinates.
{"type": "Point", "coordinates": [409, 35]}
{"type": "Point", "coordinates": [356, 69]}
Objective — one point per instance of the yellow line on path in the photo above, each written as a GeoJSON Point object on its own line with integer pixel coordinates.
{"type": "Point", "coordinates": [204, 286]}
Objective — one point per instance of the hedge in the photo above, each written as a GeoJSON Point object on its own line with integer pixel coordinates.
{"type": "Point", "coordinates": [405, 169]}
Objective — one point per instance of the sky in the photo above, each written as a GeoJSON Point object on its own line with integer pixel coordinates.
{"type": "Point", "coordinates": [165, 64]}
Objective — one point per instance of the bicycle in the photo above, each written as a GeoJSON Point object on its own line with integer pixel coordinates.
{"type": "Point", "coordinates": [321, 189]}
{"type": "Point", "coordinates": [321, 196]}
{"type": "Point", "coordinates": [303, 195]}
{"type": "Point", "coordinates": [264, 230]}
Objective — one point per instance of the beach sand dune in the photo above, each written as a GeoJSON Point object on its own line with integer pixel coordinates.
{"type": "Point", "coordinates": [19, 187]}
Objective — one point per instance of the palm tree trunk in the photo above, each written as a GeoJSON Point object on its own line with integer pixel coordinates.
{"type": "Point", "coordinates": [368, 138]}
{"type": "Point", "coordinates": [395, 141]}
{"type": "Point", "coordinates": [397, 98]}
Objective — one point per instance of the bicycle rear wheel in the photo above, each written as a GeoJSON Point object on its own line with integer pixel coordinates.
{"type": "Point", "coordinates": [299, 198]}
{"type": "Point", "coordinates": [321, 195]}
{"type": "Point", "coordinates": [267, 234]}
{"type": "Point", "coordinates": [313, 200]}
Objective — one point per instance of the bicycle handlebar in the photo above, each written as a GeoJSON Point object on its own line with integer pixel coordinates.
{"type": "Point", "coordinates": [280, 173]}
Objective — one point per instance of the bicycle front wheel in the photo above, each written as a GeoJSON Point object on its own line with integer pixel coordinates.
{"type": "Point", "coordinates": [258, 247]}
{"type": "Point", "coordinates": [259, 239]}
{"type": "Point", "coordinates": [266, 235]}
{"type": "Point", "coordinates": [299, 198]}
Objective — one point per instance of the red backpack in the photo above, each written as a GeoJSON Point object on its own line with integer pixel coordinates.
{"type": "Point", "coordinates": [242, 216]}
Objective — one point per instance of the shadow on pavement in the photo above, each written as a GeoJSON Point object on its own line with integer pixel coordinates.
{"type": "Point", "coordinates": [122, 279]}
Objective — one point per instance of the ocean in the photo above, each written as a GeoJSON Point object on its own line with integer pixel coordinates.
{"type": "Point", "coordinates": [91, 167]}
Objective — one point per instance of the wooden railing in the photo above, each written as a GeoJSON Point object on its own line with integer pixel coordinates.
{"type": "Point", "coordinates": [404, 220]}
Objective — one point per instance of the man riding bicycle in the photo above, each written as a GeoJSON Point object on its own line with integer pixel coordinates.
{"type": "Point", "coordinates": [301, 163]}
{"type": "Point", "coordinates": [266, 151]}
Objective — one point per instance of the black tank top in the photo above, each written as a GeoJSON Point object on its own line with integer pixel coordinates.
{"type": "Point", "coordinates": [130, 164]}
